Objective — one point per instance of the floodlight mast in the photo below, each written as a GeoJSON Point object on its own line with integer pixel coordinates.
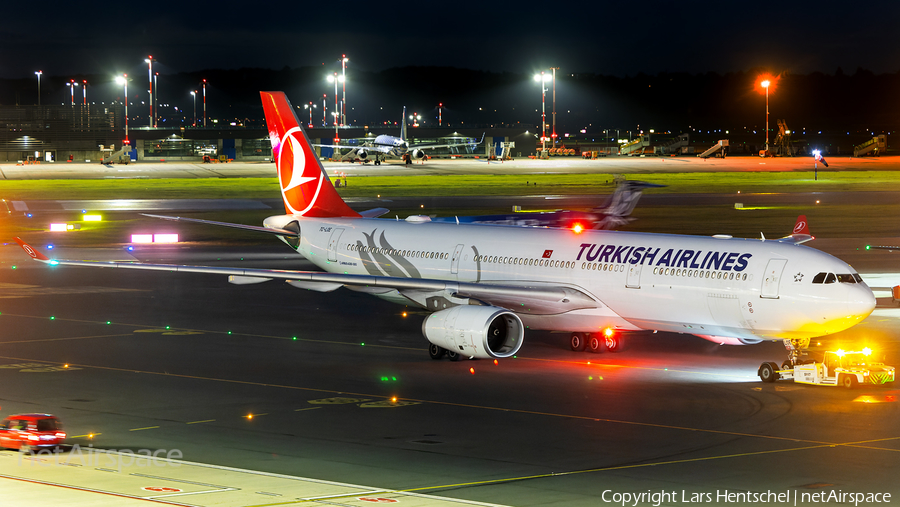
{"type": "Point", "coordinates": [765, 84]}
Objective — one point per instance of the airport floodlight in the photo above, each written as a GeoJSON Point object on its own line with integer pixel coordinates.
{"type": "Point", "coordinates": [330, 79]}
{"type": "Point", "coordinates": [765, 84]}
{"type": "Point", "coordinates": [38, 74]}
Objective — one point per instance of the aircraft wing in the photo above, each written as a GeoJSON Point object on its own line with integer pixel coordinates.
{"type": "Point", "coordinates": [255, 228]}
{"type": "Point", "coordinates": [539, 299]}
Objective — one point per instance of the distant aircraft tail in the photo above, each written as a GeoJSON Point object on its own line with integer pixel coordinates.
{"type": "Point", "coordinates": [305, 187]}
{"type": "Point", "coordinates": [618, 208]}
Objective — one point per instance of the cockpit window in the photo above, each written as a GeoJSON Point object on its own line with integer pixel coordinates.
{"type": "Point", "coordinates": [830, 278]}
{"type": "Point", "coordinates": [846, 279]}
{"type": "Point", "coordinates": [820, 278]}
{"type": "Point", "coordinates": [857, 278]}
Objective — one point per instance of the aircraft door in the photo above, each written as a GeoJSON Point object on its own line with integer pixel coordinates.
{"type": "Point", "coordinates": [772, 278]}
{"type": "Point", "coordinates": [333, 243]}
{"type": "Point", "coordinates": [454, 262]}
{"type": "Point", "coordinates": [633, 279]}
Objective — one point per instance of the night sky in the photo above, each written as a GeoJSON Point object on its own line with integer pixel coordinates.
{"type": "Point", "coordinates": [611, 38]}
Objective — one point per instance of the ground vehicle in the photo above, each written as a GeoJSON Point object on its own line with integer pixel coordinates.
{"type": "Point", "coordinates": [837, 368]}
{"type": "Point", "coordinates": [26, 432]}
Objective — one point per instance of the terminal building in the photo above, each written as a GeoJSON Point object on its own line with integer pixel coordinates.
{"type": "Point", "coordinates": [92, 133]}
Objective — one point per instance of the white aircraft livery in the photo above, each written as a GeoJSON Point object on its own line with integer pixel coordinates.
{"type": "Point", "coordinates": [486, 284]}
{"type": "Point", "coordinates": [384, 145]}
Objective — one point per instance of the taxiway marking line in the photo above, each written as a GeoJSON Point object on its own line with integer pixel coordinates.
{"type": "Point", "coordinates": [621, 467]}
{"type": "Point", "coordinates": [146, 428]}
{"type": "Point", "coordinates": [453, 404]}
{"type": "Point", "coordinates": [89, 435]}
{"type": "Point", "coordinates": [89, 490]}
{"type": "Point", "coordinates": [69, 338]}
{"type": "Point", "coordinates": [201, 422]}
{"type": "Point", "coordinates": [307, 408]}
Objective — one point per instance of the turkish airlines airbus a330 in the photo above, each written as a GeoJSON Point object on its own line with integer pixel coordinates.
{"type": "Point", "coordinates": [486, 283]}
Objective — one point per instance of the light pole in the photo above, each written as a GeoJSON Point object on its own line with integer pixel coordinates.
{"type": "Point", "coordinates": [337, 115]}
{"type": "Point", "coordinates": [84, 91]}
{"type": "Point", "coordinates": [194, 96]}
{"type": "Point", "coordinates": [38, 74]}
{"type": "Point", "coordinates": [72, 84]}
{"type": "Point", "coordinates": [123, 81]}
{"type": "Point", "coordinates": [324, 109]}
{"type": "Point", "coordinates": [543, 78]}
{"type": "Point", "coordinates": [204, 103]}
{"type": "Point", "coordinates": [553, 135]}
{"type": "Point", "coordinates": [344, 60]}
{"type": "Point", "coordinates": [765, 84]}
{"type": "Point", "coordinates": [440, 106]}
{"type": "Point", "coordinates": [149, 61]}
{"type": "Point", "coordinates": [156, 87]}
{"type": "Point", "coordinates": [309, 106]}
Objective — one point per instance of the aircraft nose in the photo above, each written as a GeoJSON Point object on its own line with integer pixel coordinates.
{"type": "Point", "coordinates": [860, 301]}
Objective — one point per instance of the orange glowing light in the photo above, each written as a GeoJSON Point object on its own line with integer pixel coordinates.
{"type": "Point", "coordinates": [404, 314]}
{"type": "Point", "coordinates": [767, 82]}
{"type": "Point", "coordinates": [608, 332]}
{"type": "Point", "coordinates": [472, 371]}
{"type": "Point", "coordinates": [249, 416]}
{"type": "Point", "coordinates": [393, 399]}
{"type": "Point", "coordinates": [496, 362]}
{"type": "Point", "coordinates": [577, 228]}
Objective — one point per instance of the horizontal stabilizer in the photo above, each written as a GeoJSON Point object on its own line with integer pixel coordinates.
{"type": "Point", "coordinates": [374, 212]}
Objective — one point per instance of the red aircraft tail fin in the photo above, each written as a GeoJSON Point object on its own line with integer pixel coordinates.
{"type": "Point", "coordinates": [305, 187]}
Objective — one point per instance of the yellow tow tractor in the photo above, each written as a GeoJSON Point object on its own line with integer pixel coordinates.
{"type": "Point", "coordinates": [837, 368]}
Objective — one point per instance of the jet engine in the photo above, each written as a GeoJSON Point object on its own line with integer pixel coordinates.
{"type": "Point", "coordinates": [730, 340]}
{"type": "Point", "coordinates": [475, 331]}
{"type": "Point", "coordinates": [418, 154]}
{"type": "Point", "coordinates": [362, 154]}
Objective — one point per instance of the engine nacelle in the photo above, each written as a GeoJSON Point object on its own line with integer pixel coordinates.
{"type": "Point", "coordinates": [475, 331]}
{"type": "Point", "coordinates": [730, 340]}
{"type": "Point", "coordinates": [362, 154]}
{"type": "Point", "coordinates": [418, 154]}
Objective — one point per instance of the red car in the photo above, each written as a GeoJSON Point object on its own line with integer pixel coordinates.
{"type": "Point", "coordinates": [27, 432]}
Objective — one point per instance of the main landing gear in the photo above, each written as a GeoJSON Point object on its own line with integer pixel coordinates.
{"type": "Point", "coordinates": [596, 342]}
{"type": "Point", "coordinates": [438, 352]}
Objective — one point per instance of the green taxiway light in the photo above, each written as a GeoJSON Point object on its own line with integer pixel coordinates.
{"type": "Point", "coordinates": [229, 332]}
{"type": "Point", "coordinates": [868, 247]}
{"type": "Point", "coordinates": [14, 267]}
{"type": "Point", "coordinates": [108, 322]}
{"type": "Point", "coordinates": [52, 318]}
{"type": "Point", "coordinates": [295, 338]}
{"type": "Point", "coordinates": [167, 327]}
{"type": "Point", "coordinates": [362, 344]}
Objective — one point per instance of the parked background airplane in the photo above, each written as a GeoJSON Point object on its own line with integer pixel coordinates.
{"type": "Point", "coordinates": [383, 146]}
{"type": "Point", "coordinates": [486, 284]}
{"type": "Point", "coordinates": [614, 213]}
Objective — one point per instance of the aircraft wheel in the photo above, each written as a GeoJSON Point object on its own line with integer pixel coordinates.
{"type": "Point", "coordinates": [613, 343]}
{"type": "Point", "coordinates": [453, 356]}
{"type": "Point", "coordinates": [767, 372]}
{"type": "Point", "coordinates": [577, 342]}
{"type": "Point", "coordinates": [848, 381]}
{"type": "Point", "coordinates": [595, 344]}
{"type": "Point", "coordinates": [436, 352]}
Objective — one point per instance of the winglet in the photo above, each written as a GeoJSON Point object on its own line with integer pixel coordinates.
{"type": "Point", "coordinates": [34, 254]}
